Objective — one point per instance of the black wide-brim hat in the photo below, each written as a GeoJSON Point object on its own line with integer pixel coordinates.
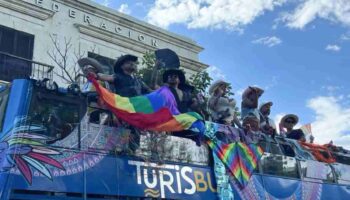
{"type": "Point", "coordinates": [121, 60]}
{"type": "Point", "coordinates": [177, 72]}
{"type": "Point", "coordinates": [183, 85]}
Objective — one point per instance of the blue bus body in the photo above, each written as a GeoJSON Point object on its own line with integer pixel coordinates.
{"type": "Point", "coordinates": [84, 165]}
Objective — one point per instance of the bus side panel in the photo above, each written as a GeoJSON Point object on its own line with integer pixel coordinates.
{"type": "Point", "coordinates": [4, 191]}
{"type": "Point", "coordinates": [18, 103]}
{"type": "Point", "coordinates": [254, 190]}
{"type": "Point", "coordinates": [67, 180]}
{"type": "Point", "coordinates": [103, 178]}
{"type": "Point", "coordinates": [332, 191]}
{"type": "Point", "coordinates": [125, 177]}
{"type": "Point", "coordinates": [281, 188]}
{"type": "Point", "coordinates": [100, 174]}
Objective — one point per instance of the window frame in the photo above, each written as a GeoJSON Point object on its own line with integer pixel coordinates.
{"type": "Point", "coordinates": [65, 98]}
{"type": "Point", "coordinates": [5, 92]}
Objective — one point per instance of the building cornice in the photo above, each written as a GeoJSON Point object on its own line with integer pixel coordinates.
{"type": "Point", "coordinates": [133, 23]}
{"type": "Point", "coordinates": [27, 9]}
{"type": "Point", "coordinates": [112, 38]}
{"type": "Point", "coordinates": [132, 44]}
{"type": "Point", "coordinates": [193, 65]}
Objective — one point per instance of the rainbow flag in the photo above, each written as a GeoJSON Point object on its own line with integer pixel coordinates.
{"type": "Point", "coordinates": [239, 158]}
{"type": "Point", "coordinates": [156, 111]}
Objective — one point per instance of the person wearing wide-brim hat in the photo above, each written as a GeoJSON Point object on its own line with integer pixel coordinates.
{"type": "Point", "coordinates": [124, 80]}
{"type": "Point", "coordinates": [250, 100]}
{"type": "Point", "coordinates": [267, 125]}
{"type": "Point", "coordinates": [222, 108]}
{"type": "Point", "coordinates": [176, 81]}
{"type": "Point", "coordinates": [288, 122]}
{"type": "Point", "coordinates": [216, 85]}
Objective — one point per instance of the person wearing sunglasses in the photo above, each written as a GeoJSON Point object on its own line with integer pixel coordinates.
{"type": "Point", "coordinates": [176, 81]}
{"type": "Point", "coordinates": [288, 122]}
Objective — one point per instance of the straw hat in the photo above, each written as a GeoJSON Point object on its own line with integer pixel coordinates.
{"type": "Point", "coordinates": [88, 64]}
{"type": "Point", "coordinates": [216, 85]}
{"type": "Point", "coordinates": [269, 103]}
{"type": "Point", "coordinates": [250, 89]}
{"type": "Point", "coordinates": [294, 117]}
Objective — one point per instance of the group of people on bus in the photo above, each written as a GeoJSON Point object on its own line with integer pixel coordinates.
{"type": "Point", "coordinates": [255, 118]}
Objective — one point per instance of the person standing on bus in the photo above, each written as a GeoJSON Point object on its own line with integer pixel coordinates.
{"type": "Point", "coordinates": [250, 98]}
{"type": "Point", "coordinates": [222, 108]}
{"type": "Point", "coordinates": [176, 81]}
{"type": "Point", "coordinates": [267, 125]}
{"type": "Point", "coordinates": [250, 133]}
{"type": "Point", "coordinates": [125, 82]}
{"type": "Point", "coordinates": [288, 122]}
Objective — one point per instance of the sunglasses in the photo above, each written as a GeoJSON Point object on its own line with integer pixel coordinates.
{"type": "Point", "coordinates": [290, 121]}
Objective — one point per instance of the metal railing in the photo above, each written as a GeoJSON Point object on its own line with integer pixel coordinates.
{"type": "Point", "coordinates": [14, 67]}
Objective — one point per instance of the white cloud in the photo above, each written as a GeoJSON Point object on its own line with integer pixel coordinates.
{"type": "Point", "coordinates": [240, 91]}
{"type": "Point", "coordinates": [106, 3]}
{"type": "Point", "coordinates": [273, 83]}
{"type": "Point", "coordinates": [217, 14]}
{"type": "Point", "coordinates": [124, 8]}
{"type": "Point", "coordinates": [216, 73]}
{"type": "Point", "coordinates": [335, 48]}
{"type": "Point", "coordinates": [331, 89]}
{"type": "Point", "coordinates": [268, 41]}
{"type": "Point", "coordinates": [334, 10]}
{"type": "Point", "coordinates": [345, 37]}
{"type": "Point", "coordinates": [332, 120]}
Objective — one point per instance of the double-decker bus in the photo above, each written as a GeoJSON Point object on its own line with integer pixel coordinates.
{"type": "Point", "coordinates": [57, 144]}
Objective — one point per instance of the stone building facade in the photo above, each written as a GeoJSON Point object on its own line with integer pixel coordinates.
{"type": "Point", "coordinates": [28, 29]}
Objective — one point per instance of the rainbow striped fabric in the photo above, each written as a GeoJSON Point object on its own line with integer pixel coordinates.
{"type": "Point", "coordinates": [239, 158]}
{"type": "Point", "coordinates": [156, 111]}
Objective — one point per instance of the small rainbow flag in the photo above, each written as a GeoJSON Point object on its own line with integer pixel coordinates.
{"type": "Point", "coordinates": [156, 111]}
{"type": "Point", "coordinates": [239, 158]}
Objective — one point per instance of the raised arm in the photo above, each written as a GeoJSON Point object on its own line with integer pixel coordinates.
{"type": "Point", "coordinates": [105, 77]}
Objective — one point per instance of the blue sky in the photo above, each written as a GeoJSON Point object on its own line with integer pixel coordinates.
{"type": "Point", "coordinates": [297, 50]}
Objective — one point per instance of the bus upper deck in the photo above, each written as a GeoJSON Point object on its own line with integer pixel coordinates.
{"type": "Point", "coordinates": [58, 145]}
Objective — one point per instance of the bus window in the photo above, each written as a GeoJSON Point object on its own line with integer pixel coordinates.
{"type": "Point", "coordinates": [316, 171]}
{"type": "Point", "coordinates": [4, 95]}
{"type": "Point", "coordinates": [270, 147]}
{"type": "Point", "coordinates": [263, 144]}
{"type": "Point", "coordinates": [342, 173]}
{"type": "Point", "coordinates": [60, 118]}
{"type": "Point", "coordinates": [287, 150]}
{"type": "Point", "coordinates": [279, 165]}
{"type": "Point", "coordinates": [275, 149]}
{"type": "Point", "coordinates": [342, 159]}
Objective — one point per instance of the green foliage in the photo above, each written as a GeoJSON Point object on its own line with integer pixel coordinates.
{"type": "Point", "coordinates": [229, 90]}
{"type": "Point", "coordinates": [201, 81]}
{"type": "Point", "coordinates": [148, 61]}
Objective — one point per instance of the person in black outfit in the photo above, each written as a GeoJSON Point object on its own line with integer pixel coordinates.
{"type": "Point", "coordinates": [126, 85]}
{"type": "Point", "coordinates": [175, 80]}
{"type": "Point", "coordinates": [124, 80]}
